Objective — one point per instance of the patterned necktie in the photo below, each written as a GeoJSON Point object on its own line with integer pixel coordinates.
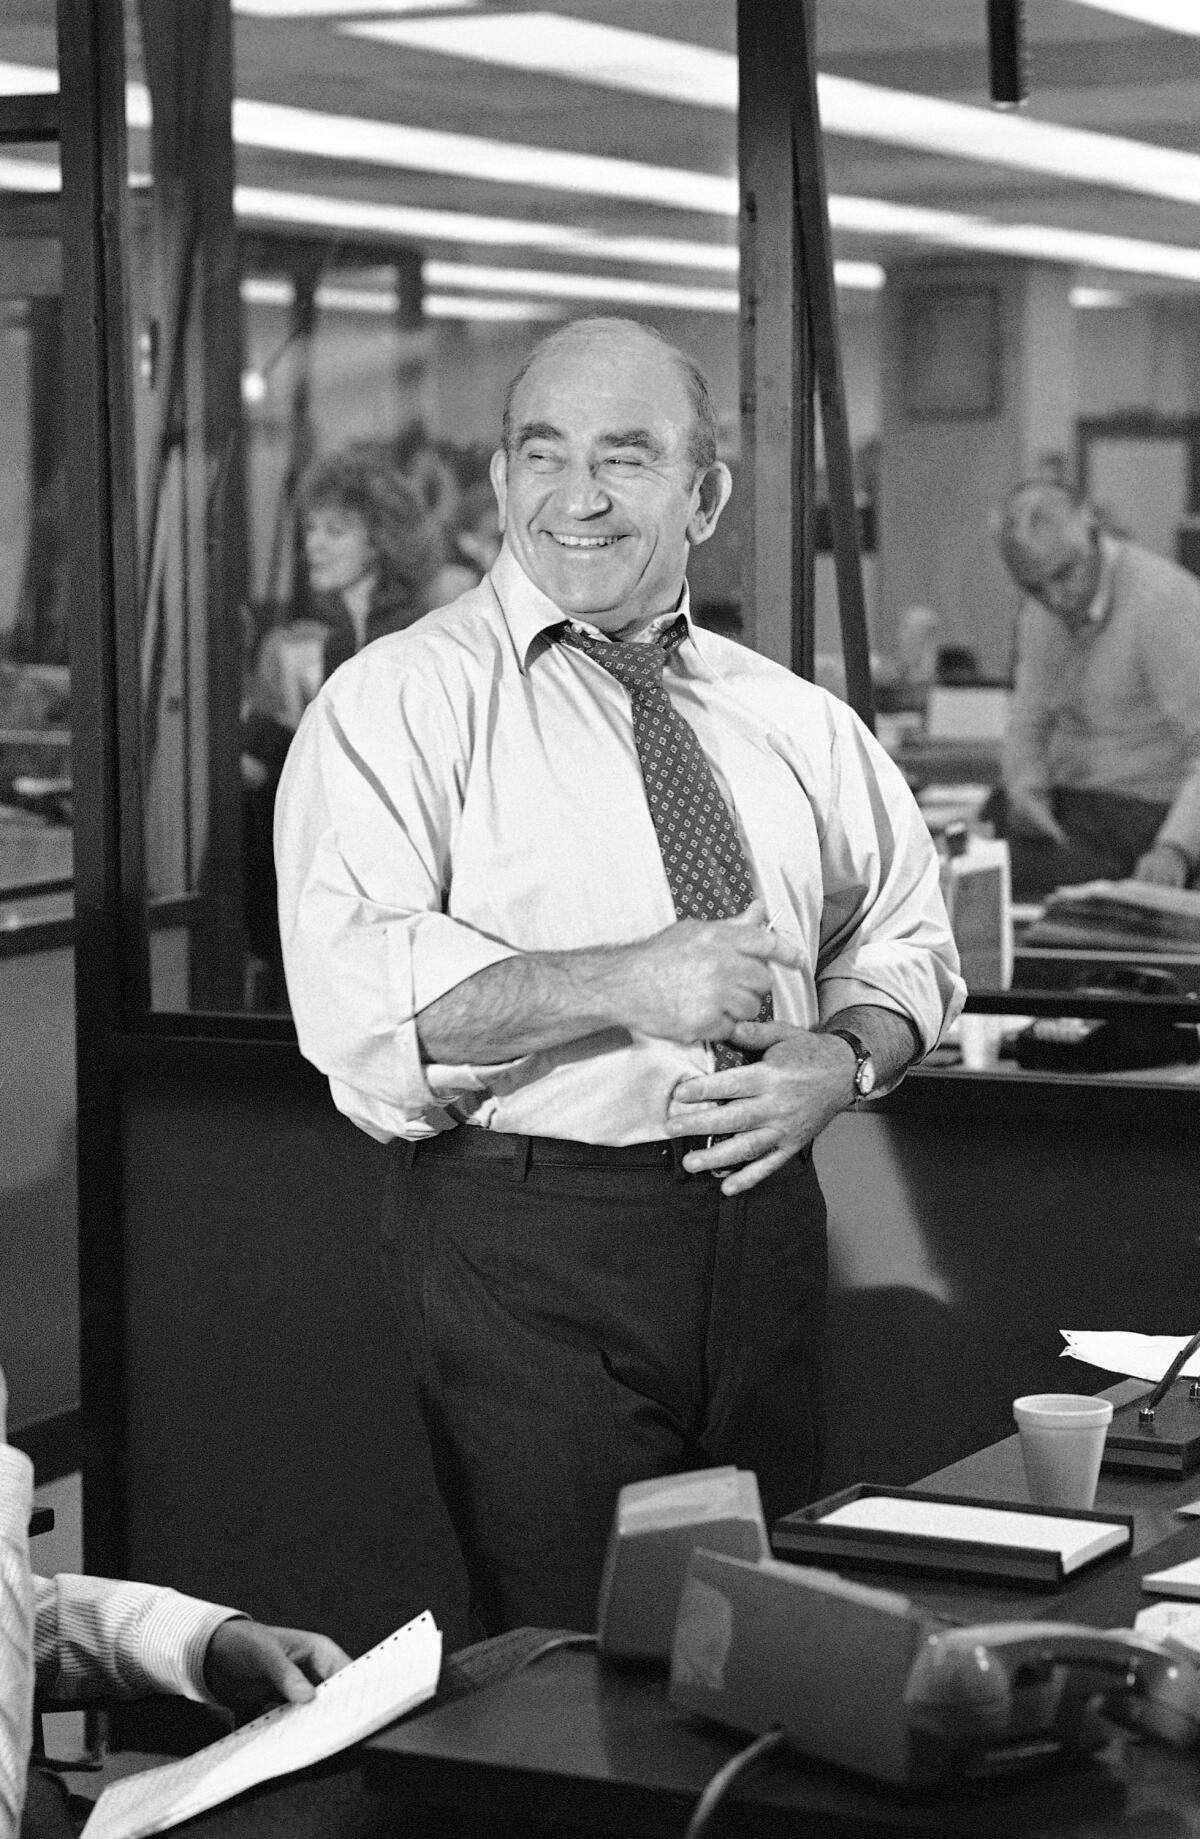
{"type": "Point", "coordinates": [706, 869]}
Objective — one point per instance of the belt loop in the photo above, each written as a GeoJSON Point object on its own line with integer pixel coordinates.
{"type": "Point", "coordinates": [680, 1147]}
{"type": "Point", "coordinates": [520, 1158]}
{"type": "Point", "coordinates": [408, 1147]}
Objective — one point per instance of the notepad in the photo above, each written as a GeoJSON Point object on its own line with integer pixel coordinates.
{"type": "Point", "coordinates": [1075, 1542]}
{"type": "Point", "coordinates": [402, 1671]}
{"type": "Point", "coordinates": [1177, 1580]}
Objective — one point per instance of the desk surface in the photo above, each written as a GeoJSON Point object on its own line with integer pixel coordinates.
{"type": "Point", "coordinates": [593, 1750]}
{"type": "Point", "coordinates": [568, 1748]}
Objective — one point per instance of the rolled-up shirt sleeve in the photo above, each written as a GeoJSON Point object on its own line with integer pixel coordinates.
{"type": "Point", "coordinates": [97, 1636]}
{"type": "Point", "coordinates": [885, 934]}
{"type": "Point", "coordinates": [363, 854]}
{"type": "Point", "coordinates": [16, 1635]}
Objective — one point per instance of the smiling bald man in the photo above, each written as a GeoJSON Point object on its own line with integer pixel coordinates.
{"type": "Point", "coordinates": [598, 919]}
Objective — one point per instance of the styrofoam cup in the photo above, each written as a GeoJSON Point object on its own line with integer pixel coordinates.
{"type": "Point", "coordinates": [1062, 1441]}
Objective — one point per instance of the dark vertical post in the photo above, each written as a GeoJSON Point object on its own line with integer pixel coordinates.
{"type": "Point", "coordinates": [189, 54]}
{"type": "Point", "coordinates": [101, 589]}
{"type": "Point", "coordinates": [775, 483]}
{"type": "Point", "coordinates": [821, 300]}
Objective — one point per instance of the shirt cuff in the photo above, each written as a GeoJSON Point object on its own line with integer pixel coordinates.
{"type": "Point", "coordinates": [930, 1015]}
{"type": "Point", "coordinates": [174, 1641]}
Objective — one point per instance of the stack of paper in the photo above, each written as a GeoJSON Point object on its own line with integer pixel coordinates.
{"type": "Point", "coordinates": [1120, 916]}
{"type": "Point", "coordinates": [371, 1692]}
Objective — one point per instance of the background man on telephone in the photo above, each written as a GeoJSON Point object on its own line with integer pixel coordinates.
{"type": "Point", "coordinates": [575, 900]}
{"type": "Point", "coordinates": [1102, 756]}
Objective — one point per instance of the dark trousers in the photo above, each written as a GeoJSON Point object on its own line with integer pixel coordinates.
{"type": "Point", "coordinates": [1106, 832]}
{"type": "Point", "coordinates": [578, 1328]}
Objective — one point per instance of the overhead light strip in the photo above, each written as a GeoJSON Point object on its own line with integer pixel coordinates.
{"type": "Point", "coordinates": [1172, 15]}
{"type": "Point", "coordinates": [873, 217]}
{"type": "Point", "coordinates": [640, 62]}
{"type": "Point", "coordinates": [927, 124]}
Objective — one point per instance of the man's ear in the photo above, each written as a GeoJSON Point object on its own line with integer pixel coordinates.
{"type": "Point", "coordinates": [498, 472]}
{"type": "Point", "coordinates": [712, 495]}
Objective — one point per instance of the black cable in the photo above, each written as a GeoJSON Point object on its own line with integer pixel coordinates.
{"type": "Point", "coordinates": [726, 1777]}
{"type": "Point", "coordinates": [549, 1645]}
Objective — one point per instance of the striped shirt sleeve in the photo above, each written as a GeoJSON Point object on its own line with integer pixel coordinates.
{"type": "Point", "coordinates": [16, 1636]}
{"type": "Point", "coordinates": [97, 1637]}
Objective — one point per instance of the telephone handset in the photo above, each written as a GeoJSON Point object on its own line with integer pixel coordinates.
{"type": "Point", "coordinates": [1014, 1684]}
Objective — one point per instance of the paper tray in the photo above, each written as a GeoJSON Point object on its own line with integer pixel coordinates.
{"type": "Point", "coordinates": [804, 1539]}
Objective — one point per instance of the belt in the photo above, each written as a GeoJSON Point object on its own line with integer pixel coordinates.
{"type": "Point", "coordinates": [469, 1142]}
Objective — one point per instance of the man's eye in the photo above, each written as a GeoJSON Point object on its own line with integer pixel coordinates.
{"type": "Point", "coordinates": [541, 459]}
{"type": "Point", "coordinates": [625, 461]}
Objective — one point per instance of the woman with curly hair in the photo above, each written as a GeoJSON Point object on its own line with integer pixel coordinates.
{"type": "Point", "coordinates": [374, 557]}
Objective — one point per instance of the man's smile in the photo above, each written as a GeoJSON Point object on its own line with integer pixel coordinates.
{"type": "Point", "coordinates": [581, 542]}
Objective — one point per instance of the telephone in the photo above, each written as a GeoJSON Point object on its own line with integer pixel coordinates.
{"type": "Point", "coordinates": [867, 1679]}
{"type": "Point", "coordinates": [1007, 1686]}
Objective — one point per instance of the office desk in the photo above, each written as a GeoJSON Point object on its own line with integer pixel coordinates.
{"type": "Point", "coordinates": [566, 1747]}
{"type": "Point", "coordinates": [587, 1749]}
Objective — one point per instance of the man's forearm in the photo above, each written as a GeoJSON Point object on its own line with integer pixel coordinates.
{"type": "Point", "coordinates": [890, 1038]}
{"type": "Point", "coordinates": [522, 1004]}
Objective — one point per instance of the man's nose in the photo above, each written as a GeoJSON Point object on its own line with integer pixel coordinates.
{"type": "Point", "coordinates": [582, 492]}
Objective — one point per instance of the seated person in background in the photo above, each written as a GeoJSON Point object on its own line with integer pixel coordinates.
{"type": "Point", "coordinates": [86, 1636]}
{"type": "Point", "coordinates": [1102, 760]}
{"type": "Point", "coordinates": [372, 552]}
{"type": "Point", "coordinates": [374, 555]}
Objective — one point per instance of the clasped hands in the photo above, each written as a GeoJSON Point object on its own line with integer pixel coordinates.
{"type": "Point", "coordinates": [704, 981]}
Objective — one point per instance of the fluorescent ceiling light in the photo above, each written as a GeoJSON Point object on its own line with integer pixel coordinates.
{"type": "Point", "coordinates": [540, 282]}
{"type": "Point", "coordinates": [29, 175]}
{"type": "Point", "coordinates": [414, 221]}
{"type": "Point", "coordinates": [854, 216]}
{"type": "Point", "coordinates": [1033, 242]}
{"type": "Point", "coordinates": [642, 63]}
{"type": "Point", "coordinates": [862, 110]}
{"type": "Point", "coordinates": [553, 45]}
{"type": "Point", "coordinates": [451, 306]}
{"type": "Point", "coordinates": [930, 125]}
{"type": "Point", "coordinates": [311, 9]}
{"type": "Point", "coordinates": [1172, 15]}
{"type": "Point", "coordinates": [381, 143]}
{"type": "Point", "coordinates": [868, 277]}
{"type": "Point", "coordinates": [1090, 297]}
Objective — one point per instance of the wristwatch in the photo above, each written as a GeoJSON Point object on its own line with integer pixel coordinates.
{"type": "Point", "coordinates": [865, 1076]}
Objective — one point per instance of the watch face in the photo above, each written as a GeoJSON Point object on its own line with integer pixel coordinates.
{"type": "Point", "coordinates": [865, 1078]}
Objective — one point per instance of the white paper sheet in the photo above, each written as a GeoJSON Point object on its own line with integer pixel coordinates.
{"type": "Point", "coordinates": [402, 1671]}
{"type": "Point", "coordinates": [1074, 1540]}
{"type": "Point", "coordinates": [1137, 1356]}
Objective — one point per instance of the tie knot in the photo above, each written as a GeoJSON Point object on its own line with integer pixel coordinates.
{"type": "Point", "coordinates": [638, 667]}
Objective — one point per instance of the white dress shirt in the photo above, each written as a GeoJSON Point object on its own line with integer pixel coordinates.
{"type": "Point", "coordinates": [468, 789]}
{"type": "Point", "coordinates": [83, 1636]}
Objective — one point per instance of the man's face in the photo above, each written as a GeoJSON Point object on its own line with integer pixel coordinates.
{"type": "Point", "coordinates": [598, 497]}
{"type": "Point", "coordinates": [1059, 566]}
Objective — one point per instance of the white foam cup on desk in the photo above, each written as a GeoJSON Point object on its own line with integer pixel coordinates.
{"type": "Point", "coordinates": [1062, 1442]}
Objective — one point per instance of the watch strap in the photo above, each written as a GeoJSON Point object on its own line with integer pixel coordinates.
{"type": "Point", "coordinates": [859, 1049]}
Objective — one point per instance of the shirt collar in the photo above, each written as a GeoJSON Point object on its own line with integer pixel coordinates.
{"type": "Point", "coordinates": [530, 615]}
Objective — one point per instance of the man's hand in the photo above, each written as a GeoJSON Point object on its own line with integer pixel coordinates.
{"type": "Point", "coordinates": [1164, 865]}
{"type": "Point", "coordinates": [1030, 815]}
{"type": "Point", "coordinates": [698, 980]}
{"type": "Point", "coordinates": [248, 1666]}
{"type": "Point", "coordinates": [767, 1111]}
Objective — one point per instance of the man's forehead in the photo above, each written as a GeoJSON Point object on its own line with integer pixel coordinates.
{"type": "Point", "coordinates": [610, 384]}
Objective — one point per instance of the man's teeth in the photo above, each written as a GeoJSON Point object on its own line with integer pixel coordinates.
{"type": "Point", "coordinates": [585, 542]}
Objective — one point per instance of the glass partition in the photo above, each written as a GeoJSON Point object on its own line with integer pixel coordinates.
{"type": "Point", "coordinates": [414, 194]}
